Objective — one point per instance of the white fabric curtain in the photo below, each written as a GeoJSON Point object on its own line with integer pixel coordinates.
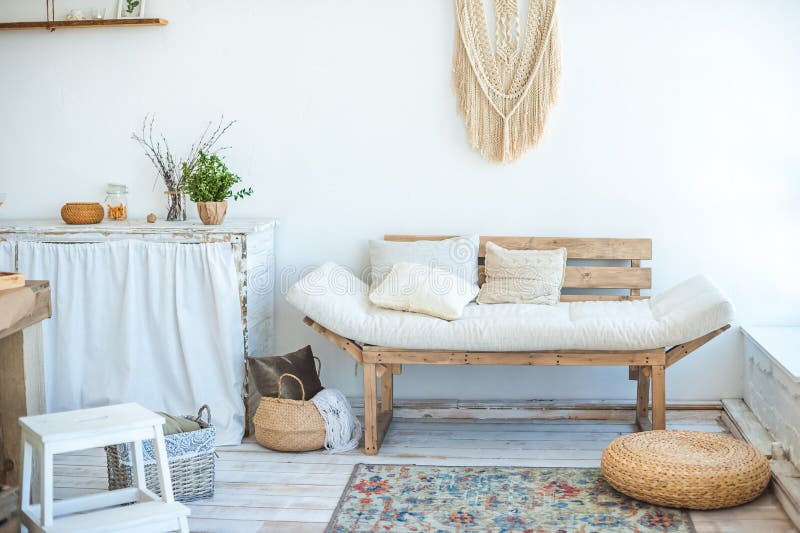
{"type": "Point", "coordinates": [155, 323]}
{"type": "Point", "coordinates": [6, 256]}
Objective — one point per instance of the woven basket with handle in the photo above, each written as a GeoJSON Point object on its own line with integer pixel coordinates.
{"type": "Point", "coordinates": [289, 425]}
{"type": "Point", "coordinates": [191, 462]}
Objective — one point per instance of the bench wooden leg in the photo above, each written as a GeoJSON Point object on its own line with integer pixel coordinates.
{"type": "Point", "coordinates": [659, 398]}
{"type": "Point", "coordinates": [387, 391]}
{"type": "Point", "coordinates": [370, 409]}
{"type": "Point", "coordinates": [643, 401]}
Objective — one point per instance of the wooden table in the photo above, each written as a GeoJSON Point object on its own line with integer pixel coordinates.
{"type": "Point", "coordinates": [21, 379]}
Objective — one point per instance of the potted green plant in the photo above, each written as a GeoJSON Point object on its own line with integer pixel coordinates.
{"type": "Point", "coordinates": [209, 184]}
{"type": "Point", "coordinates": [172, 169]}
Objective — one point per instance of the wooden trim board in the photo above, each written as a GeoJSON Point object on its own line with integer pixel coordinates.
{"type": "Point", "coordinates": [602, 297]}
{"type": "Point", "coordinates": [786, 483]}
{"type": "Point", "coordinates": [522, 410]}
{"type": "Point", "coordinates": [382, 354]}
{"type": "Point", "coordinates": [598, 277]}
{"type": "Point", "coordinates": [577, 248]}
{"type": "Point", "coordinates": [743, 423]}
{"type": "Point", "coordinates": [785, 476]}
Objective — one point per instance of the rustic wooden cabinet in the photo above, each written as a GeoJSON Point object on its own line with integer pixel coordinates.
{"type": "Point", "coordinates": [178, 273]}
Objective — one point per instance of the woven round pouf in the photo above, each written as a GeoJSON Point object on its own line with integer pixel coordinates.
{"type": "Point", "coordinates": [686, 469]}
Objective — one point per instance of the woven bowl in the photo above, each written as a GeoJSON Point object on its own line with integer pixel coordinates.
{"type": "Point", "coordinates": [82, 213]}
{"type": "Point", "coordinates": [685, 469]}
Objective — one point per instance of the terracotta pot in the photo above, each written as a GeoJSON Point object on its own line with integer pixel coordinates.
{"type": "Point", "coordinates": [212, 213]}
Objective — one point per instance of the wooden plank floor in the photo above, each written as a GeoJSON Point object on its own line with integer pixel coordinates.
{"type": "Point", "coordinates": [258, 490]}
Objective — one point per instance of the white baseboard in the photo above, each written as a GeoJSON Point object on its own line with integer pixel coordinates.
{"type": "Point", "coordinates": [532, 409]}
{"type": "Point", "coordinates": [785, 476]}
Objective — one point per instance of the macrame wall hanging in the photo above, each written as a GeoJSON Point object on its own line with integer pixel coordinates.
{"type": "Point", "coordinates": [505, 95]}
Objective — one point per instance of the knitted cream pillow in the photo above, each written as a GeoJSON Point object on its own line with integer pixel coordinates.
{"type": "Point", "coordinates": [424, 289]}
{"type": "Point", "coordinates": [523, 276]}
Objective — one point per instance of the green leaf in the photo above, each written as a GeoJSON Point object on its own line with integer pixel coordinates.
{"type": "Point", "coordinates": [210, 180]}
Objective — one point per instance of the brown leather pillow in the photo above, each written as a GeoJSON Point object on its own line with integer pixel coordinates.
{"type": "Point", "coordinates": [265, 371]}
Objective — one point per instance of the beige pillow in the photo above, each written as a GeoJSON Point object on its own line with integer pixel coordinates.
{"type": "Point", "coordinates": [523, 276]}
{"type": "Point", "coordinates": [423, 289]}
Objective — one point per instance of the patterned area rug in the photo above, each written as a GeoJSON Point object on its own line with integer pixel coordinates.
{"type": "Point", "coordinates": [493, 499]}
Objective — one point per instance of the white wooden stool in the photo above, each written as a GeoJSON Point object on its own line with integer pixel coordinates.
{"type": "Point", "coordinates": [47, 435]}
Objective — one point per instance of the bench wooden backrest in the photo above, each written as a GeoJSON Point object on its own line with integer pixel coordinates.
{"type": "Point", "coordinates": [631, 277]}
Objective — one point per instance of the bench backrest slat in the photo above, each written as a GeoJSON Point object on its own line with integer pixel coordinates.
{"type": "Point", "coordinates": [633, 278]}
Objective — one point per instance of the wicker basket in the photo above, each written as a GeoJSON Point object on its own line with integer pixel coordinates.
{"type": "Point", "coordinates": [685, 469]}
{"type": "Point", "coordinates": [289, 425]}
{"type": "Point", "coordinates": [191, 462]}
{"type": "Point", "coordinates": [82, 213]}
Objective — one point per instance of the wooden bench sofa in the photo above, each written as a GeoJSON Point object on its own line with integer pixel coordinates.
{"type": "Point", "coordinates": [647, 367]}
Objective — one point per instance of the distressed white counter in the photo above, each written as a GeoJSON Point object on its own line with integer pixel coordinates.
{"type": "Point", "coordinates": [192, 326]}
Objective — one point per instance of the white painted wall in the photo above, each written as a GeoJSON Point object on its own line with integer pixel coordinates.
{"type": "Point", "coordinates": [677, 120]}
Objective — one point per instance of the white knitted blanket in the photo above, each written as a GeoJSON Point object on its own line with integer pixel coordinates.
{"type": "Point", "coordinates": [342, 429]}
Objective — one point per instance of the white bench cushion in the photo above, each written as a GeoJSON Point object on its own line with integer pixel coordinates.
{"type": "Point", "coordinates": [336, 299]}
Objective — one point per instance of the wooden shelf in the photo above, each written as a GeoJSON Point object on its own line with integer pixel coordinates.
{"type": "Point", "coordinates": [81, 23]}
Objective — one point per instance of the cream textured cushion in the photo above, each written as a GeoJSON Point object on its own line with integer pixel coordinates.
{"type": "Point", "coordinates": [523, 276]}
{"type": "Point", "coordinates": [458, 255]}
{"type": "Point", "coordinates": [422, 289]}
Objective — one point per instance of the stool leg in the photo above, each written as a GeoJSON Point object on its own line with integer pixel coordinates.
{"type": "Point", "coordinates": [46, 481]}
{"type": "Point", "coordinates": [27, 468]}
{"type": "Point", "coordinates": [163, 466]}
{"type": "Point", "coordinates": [183, 524]}
{"type": "Point", "coordinates": [137, 456]}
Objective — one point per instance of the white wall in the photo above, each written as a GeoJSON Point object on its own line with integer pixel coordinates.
{"type": "Point", "coordinates": [677, 121]}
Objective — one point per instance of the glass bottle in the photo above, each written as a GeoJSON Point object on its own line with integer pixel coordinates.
{"type": "Point", "coordinates": [117, 201]}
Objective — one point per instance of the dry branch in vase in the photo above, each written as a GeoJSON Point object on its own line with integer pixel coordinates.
{"type": "Point", "coordinates": [172, 171]}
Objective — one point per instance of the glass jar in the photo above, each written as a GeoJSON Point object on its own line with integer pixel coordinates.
{"type": "Point", "coordinates": [117, 201]}
{"type": "Point", "coordinates": [176, 205]}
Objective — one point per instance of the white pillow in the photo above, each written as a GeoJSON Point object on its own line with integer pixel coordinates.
{"type": "Point", "coordinates": [458, 256]}
{"type": "Point", "coordinates": [422, 289]}
{"type": "Point", "coordinates": [523, 276]}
